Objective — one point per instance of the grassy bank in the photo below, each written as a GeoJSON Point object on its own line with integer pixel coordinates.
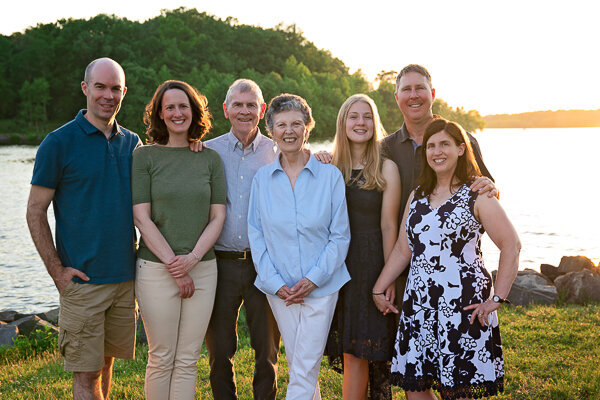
{"type": "Point", "coordinates": [16, 132]}
{"type": "Point", "coordinates": [550, 353]}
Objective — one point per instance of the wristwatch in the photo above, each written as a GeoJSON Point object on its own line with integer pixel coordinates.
{"type": "Point", "coordinates": [498, 299]}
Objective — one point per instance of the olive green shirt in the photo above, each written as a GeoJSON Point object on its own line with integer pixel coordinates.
{"type": "Point", "coordinates": [180, 185]}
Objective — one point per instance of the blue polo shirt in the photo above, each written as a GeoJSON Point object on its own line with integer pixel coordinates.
{"type": "Point", "coordinates": [92, 202]}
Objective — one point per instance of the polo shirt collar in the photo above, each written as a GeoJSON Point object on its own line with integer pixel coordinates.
{"type": "Point", "coordinates": [90, 129]}
{"type": "Point", "coordinates": [234, 141]}
{"type": "Point", "coordinates": [403, 132]}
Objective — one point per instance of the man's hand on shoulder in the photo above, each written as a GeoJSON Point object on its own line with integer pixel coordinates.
{"type": "Point", "coordinates": [197, 146]}
{"type": "Point", "coordinates": [324, 156]}
{"type": "Point", "coordinates": [483, 184]}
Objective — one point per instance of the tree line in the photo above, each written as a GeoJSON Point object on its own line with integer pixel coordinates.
{"type": "Point", "coordinates": [41, 69]}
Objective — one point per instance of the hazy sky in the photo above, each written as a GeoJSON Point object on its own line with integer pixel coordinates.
{"type": "Point", "coordinates": [494, 56]}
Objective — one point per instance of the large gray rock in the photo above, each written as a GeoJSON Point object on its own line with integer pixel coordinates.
{"type": "Point", "coordinates": [579, 287]}
{"type": "Point", "coordinates": [550, 271]}
{"type": "Point", "coordinates": [532, 287]}
{"type": "Point", "coordinates": [7, 334]}
{"type": "Point", "coordinates": [32, 323]}
{"type": "Point", "coordinates": [575, 264]}
{"type": "Point", "coordinates": [50, 316]}
{"type": "Point", "coordinates": [11, 315]}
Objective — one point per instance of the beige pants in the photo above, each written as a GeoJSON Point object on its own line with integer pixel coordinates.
{"type": "Point", "coordinates": [175, 327]}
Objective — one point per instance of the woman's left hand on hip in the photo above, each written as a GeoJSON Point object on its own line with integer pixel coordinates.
{"type": "Point", "coordinates": [482, 311]}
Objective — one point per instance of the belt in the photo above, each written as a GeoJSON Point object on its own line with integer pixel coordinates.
{"type": "Point", "coordinates": [234, 255]}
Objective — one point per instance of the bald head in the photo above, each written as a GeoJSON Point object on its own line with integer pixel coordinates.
{"type": "Point", "coordinates": [104, 87]}
{"type": "Point", "coordinates": [105, 62]}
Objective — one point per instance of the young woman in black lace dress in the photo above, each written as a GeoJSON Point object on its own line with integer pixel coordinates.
{"type": "Point", "coordinates": [448, 337]}
{"type": "Point", "coordinates": [361, 339]}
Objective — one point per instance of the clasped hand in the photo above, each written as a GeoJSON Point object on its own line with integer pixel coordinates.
{"type": "Point", "coordinates": [385, 301]}
{"type": "Point", "coordinates": [296, 294]}
{"type": "Point", "coordinates": [179, 267]}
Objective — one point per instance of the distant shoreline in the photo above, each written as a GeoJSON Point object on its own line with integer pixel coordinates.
{"type": "Point", "coordinates": [545, 119]}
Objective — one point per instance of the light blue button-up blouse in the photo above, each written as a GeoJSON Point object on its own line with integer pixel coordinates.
{"type": "Point", "coordinates": [300, 232]}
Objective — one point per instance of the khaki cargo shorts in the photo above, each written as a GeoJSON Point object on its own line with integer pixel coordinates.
{"type": "Point", "coordinates": [96, 321]}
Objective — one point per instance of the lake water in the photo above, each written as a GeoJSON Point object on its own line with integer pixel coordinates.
{"type": "Point", "coordinates": [547, 179]}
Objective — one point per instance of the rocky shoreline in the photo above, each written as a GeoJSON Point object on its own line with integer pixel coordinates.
{"type": "Point", "coordinates": [576, 280]}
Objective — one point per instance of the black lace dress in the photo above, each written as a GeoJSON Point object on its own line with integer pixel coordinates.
{"type": "Point", "coordinates": [358, 328]}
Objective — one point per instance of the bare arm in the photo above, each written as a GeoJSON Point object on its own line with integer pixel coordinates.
{"type": "Point", "coordinates": [389, 215]}
{"type": "Point", "coordinates": [153, 239]}
{"type": "Point", "coordinates": [503, 234]}
{"type": "Point", "coordinates": [397, 262]}
{"type": "Point", "coordinates": [37, 221]}
{"type": "Point", "coordinates": [390, 207]}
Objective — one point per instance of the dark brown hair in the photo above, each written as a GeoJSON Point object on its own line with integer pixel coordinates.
{"type": "Point", "coordinates": [155, 127]}
{"type": "Point", "coordinates": [466, 168]}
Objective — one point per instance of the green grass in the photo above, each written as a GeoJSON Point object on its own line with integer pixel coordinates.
{"type": "Point", "coordinates": [549, 352]}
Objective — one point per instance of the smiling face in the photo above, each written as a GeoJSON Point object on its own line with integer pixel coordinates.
{"type": "Point", "coordinates": [442, 152]}
{"type": "Point", "coordinates": [289, 131]}
{"type": "Point", "coordinates": [415, 97]}
{"type": "Point", "coordinates": [244, 111]}
{"type": "Point", "coordinates": [359, 123]}
{"type": "Point", "coordinates": [176, 112]}
{"type": "Point", "coordinates": [104, 89]}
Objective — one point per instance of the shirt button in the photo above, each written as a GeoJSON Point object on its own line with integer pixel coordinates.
{"type": "Point", "coordinates": [241, 197]}
{"type": "Point", "coordinates": [239, 217]}
{"type": "Point", "coordinates": [243, 158]}
{"type": "Point", "coordinates": [241, 177]}
{"type": "Point", "coordinates": [239, 237]}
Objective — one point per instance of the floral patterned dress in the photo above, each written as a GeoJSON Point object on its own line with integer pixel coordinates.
{"type": "Point", "coordinates": [436, 347]}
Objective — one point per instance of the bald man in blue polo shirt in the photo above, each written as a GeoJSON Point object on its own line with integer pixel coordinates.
{"type": "Point", "coordinates": [83, 168]}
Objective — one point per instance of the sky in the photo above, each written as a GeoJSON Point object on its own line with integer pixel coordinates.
{"type": "Point", "coordinates": [496, 57]}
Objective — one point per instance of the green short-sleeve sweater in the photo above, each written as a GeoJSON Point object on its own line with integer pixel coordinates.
{"type": "Point", "coordinates": [180, 185]}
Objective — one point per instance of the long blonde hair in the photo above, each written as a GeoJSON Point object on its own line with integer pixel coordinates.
{"type": "Point", "coordinates": [371, 176]}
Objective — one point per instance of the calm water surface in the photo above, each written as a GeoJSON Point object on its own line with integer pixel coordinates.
{"type": "Point", "coordinates": [547, 179]}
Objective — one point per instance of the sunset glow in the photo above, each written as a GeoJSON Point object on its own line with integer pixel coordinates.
{"type": "Point", "coordinates": [506, 57]}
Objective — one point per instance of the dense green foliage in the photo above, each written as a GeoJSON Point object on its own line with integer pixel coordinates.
{"type": "Point", "coordinates": [41, 69]}
{"type": "Point", "coordinates": [550, 353]}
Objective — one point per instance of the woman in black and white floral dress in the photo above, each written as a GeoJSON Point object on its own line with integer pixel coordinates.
{"type": "Point", "coordinates": [448, 337]}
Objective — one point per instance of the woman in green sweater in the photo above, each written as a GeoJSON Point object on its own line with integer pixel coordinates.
{"type": "Point", "coordinates": [179, 208]}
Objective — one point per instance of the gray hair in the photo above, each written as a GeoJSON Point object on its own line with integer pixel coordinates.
{"type": "Point", "coordinates": [243, 86]}
{"type": "Point", "coordinates": [289, 102]}
{"type": "Point", "coordinates": [90, 67]}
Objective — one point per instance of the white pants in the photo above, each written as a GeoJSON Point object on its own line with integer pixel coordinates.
{"type": "Point", "coordinates": [304, 329]}
{"type": "Point", "coordinates": [175, 327]}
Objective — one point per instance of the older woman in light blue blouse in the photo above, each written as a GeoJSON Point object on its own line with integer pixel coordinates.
{"type": "Point", "coordinates": [299, 236]}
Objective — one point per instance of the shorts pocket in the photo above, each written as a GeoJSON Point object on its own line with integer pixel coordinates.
{"type": "Point", "coordinates": [69, 338]}
{"type": "Point", "coordinates": [68, 288]}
